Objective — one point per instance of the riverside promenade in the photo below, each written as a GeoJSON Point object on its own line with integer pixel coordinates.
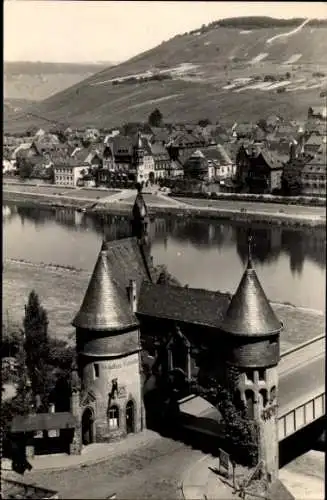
{"type": "Point", "coordinates": [115, 201]}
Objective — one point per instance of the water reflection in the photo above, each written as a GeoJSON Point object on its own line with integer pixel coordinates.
{"type": "Point", "coordinates": [288, 257]}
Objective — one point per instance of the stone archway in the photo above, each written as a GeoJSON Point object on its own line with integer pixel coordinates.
{"type": "Point", "coordinates": [130, 417]}
{"type": "Point", "coordinates": [88, 427]}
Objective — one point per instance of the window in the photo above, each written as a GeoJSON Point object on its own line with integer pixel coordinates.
{"type": "Point", "coordinates": [261, 374]}
{"type": "Point", "coordinates": [96, 370]}
{"type": "Point", "coordinates": [249, 375]}
{"type": "Point", "coordinates": [113, 418]}
{"type": "Point", "coordinates": [249, 396]}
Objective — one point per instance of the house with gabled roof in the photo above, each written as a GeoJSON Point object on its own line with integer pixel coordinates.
{"type": "Point", "coordinates": [258, 170]}
{"type": "Point", "coordinates": [317, 113]}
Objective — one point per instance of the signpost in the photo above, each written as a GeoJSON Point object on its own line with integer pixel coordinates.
{"type": "Point", "coordinates": [223, 463]}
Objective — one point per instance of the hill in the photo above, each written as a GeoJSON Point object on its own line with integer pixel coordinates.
{"type": "Point", "coordinates": [38, 80]}
{"type": "Point", "coordinates": [237, 69]}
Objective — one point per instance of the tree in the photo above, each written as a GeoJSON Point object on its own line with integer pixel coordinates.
{"type": "Point", "coordinates": [25, 168]}
{"type": "Point", "coordinates": [37, 347]}
{"type": "Point", "coordinates": [22, 403]}
{"type": "Point", "coordinates": [155, 118]}
{"type": "Point", "coordinates": [241, 433]}
{"type": "Point", "coordinates": [164, 277]}
{"type": "Point", "coordinates": [204, 122]}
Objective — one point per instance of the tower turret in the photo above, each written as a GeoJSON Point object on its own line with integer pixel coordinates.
{"type": "Point", "coordinates": [140, 218]}
{"type": "Point", "coordinates": [252, 335]}
{"type": "Point", "coordinates": [138, 151]}
{"type": "Point", "coordinates": [108, 347]}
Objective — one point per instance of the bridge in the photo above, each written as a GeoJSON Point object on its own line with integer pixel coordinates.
{"type": "Point", "coordinates": [301, 386]}
{"type": "Point", "coordinates": [301, 396]}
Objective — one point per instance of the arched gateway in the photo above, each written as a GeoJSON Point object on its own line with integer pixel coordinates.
{"type": "Point", "coordinates": [87, 427]}
{"type": "Point", "coordinates": [130, 424]}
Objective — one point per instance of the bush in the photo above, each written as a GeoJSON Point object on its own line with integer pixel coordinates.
{"type": "Point", "coordinates": [281, 90]}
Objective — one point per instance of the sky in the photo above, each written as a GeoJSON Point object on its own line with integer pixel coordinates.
{"type": "Point", "coordinates": [92, 31]}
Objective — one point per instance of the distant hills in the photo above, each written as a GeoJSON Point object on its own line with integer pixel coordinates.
{"type": "Point", "coordinates": [236, 69]}
{"type": "Point", "coordinates": [38, 80]}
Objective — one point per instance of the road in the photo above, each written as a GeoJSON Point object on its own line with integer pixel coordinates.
{"type": "Point", "coordinates": [269, 208]}
{"type": "Point", "coordinates": [154, 470]}
{"type": "Point", "coordinates": [302, 380]}
{"type": "Point", "coordinates": [152, 200]}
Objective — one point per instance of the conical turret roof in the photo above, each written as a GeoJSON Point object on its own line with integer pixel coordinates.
{"type": "Point", "coordinates": [104, 306]}
{"type": "Point", "coordinates": [250, 313]}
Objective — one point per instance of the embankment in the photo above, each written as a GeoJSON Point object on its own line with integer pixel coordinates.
{"type": "Point", "coordinates": [257, 215]}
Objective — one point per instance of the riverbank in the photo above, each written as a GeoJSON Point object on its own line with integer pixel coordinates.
{"type": "Point", "coordinates": [54, 283]}
{"type": "Point", "coordinates": [99, 202]}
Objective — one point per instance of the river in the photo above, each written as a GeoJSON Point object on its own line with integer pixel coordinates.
{"type": "Point", "coordinates": [291, 263]}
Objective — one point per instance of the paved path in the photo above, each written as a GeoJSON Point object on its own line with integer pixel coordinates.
{"type": "Point", "coordinates": [127, 197]}
{"type": "Point", "coordinates": [200, 482]}
{"type": "Point", "coordinates": [142, 466]}
{"type": "Point", "coordinates": [298, 211]}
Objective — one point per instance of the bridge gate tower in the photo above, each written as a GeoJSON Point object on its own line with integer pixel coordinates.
{"type": "Point", "coordinates": [253, 331]}
{"type": "Point", "coordinates": [108, 348]}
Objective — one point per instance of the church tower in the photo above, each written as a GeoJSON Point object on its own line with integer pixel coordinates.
{"type": "Point", "coordinates": [138, 158]}
{"type": "Point", "coordinates": [108, 348]}
{"type": "Point", "coordinates": [252, 335]}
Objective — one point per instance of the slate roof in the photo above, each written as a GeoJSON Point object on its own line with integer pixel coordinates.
{"type": "Point", "coordinates": [126, 262]}
{"type": "Point", "coordinates": [105, 306]}
{"type": "Point", "coordinates": [249, 312]}
{"type": "Point", "coordinates": [43, 422]}
{"type": "Point", "coordinates": [314, 140]}
{"type": "Point", "coordinates": [188, 305]}
{"type": "Point", "coordinates": [158, 149]}
{"type": "Point", "coordinates": [218, 153]}
{"type": "Point", "coordinates": [121, 145]}
{"type": "Point", "coordinates": [271, 159]}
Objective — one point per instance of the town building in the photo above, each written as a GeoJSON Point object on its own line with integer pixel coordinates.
{"type": "Point", "coordinates": [68, 171]}
{"type": "Point", "coordinates": [183, 144]}
{"type": "Point", "coordinates": [196, 167]}
{"type": "Point", "coordinates": [318, 113]}
{"type": "Point", "coordinates": [220, 162]}
{"type": "Point", "coordinates": [258, 170]}
{"type": "Point", "coordinates": [128, 159]}
{"type": "Point", "coordinates": [313, 174]}
{"type": "Point", "coordinates": [162, 163]}
{"type": "Point", "coordinates": [313, 144]}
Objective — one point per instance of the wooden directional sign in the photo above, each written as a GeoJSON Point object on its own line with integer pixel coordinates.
{"type": "Point", "coordinates": [223, 462]}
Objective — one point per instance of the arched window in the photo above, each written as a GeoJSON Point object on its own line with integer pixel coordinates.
{"type": "Point", "coordinates": [113, 417]}
{"type": "Point", "coordinates": [249, 396]}
{"type": "Point", "coordinates": [264, 396]}
{"type": "Point", "coordinates": [273, 394]}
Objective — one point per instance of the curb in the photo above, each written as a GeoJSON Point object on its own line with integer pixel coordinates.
{"type": "Point", "coordinates": [87, 463]}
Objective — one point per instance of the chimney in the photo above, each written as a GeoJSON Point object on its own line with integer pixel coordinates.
{"type": "Point", "coordinates": [133, 295]}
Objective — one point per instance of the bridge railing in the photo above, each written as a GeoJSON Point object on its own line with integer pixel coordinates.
{"type": "Point", "coordinates": [303, 345]}
{"type": "Point", "coordinates": [301, 416]}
